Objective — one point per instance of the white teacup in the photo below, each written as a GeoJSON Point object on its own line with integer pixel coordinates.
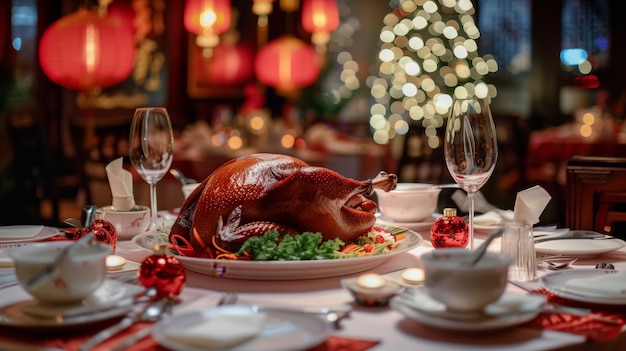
{"type": "Point", "coordinates": [79, 276]}
{"type": "Point", "coordinates": [451, 280]}
{"type": "Point", "coordinates": [127, 223]}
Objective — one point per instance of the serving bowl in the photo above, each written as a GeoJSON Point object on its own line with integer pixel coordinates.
{"type": "Point", "coordinates": [408, 202]}
{"type": "Point", "coordinates": [78, 276]}
{"type": "Point", "coordinates": [460, 286]}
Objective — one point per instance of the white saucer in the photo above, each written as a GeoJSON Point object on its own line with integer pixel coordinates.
{"type": "Point", "coordinates": [510, 310]}
{"type": "Point", "coordinates": [25, 233]}
{"type": "Point", "coordinates": [282, 330]}
{"type": "Point", "coordinates": [112, 299]}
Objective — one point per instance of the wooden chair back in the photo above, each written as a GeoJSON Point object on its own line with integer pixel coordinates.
{"type": "Point", "coordinates": [595, 190]}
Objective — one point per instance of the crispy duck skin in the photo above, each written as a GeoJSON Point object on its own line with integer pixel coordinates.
{"type": "Point", "coordinates": [249, 195]}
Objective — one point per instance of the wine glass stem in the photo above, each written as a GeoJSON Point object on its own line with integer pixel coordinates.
{"type": "Point", "coordinates": [153, 206]}
{"type": "Point", "coordinates": [470, 231]}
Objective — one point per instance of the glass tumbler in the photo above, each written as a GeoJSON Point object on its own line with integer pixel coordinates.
{"type": "Point", "coordinates": [518, 242]}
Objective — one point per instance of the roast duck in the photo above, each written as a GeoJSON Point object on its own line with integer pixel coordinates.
{"type": "Point", "coordinates": [250, 195]}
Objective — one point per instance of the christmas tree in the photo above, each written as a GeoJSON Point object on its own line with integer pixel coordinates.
{"type": "Point", "coordinates": [428, 57]}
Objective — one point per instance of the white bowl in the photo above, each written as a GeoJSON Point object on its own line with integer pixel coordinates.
{"type": "Point", "coordinates": [409, 202]}
{"type": "Point", "coordinates": [451, 280]}
{"type": "Point", "coordinates": [76, 279]}
{"type": "Point", "coordinates": [189, 188]}
{"type": "Point", "coordinates": [127, 223]}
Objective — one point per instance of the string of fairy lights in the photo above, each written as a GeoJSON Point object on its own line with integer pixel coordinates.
{"type": "Point", "coordinates": [428, 57]}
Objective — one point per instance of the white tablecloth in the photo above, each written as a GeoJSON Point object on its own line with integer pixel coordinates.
{"type": "Point", "coordinates": [387, 325]}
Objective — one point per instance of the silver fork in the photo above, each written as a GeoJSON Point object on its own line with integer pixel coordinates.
{"type": "Point", "coordinates": [555, 266]}
{"type": "Point", "coordinates": [131, 340]}
{"type": "Point", "coordinates": [227, 298]}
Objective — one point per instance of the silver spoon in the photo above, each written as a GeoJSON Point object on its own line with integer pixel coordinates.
{"type": "Point", "coordinates": [52, 269]}
{"type": "Point", "coordinates": [480, 251]}
{"type": "Point", "coordinates": [151, 313]}
{"type": "Point", "coordinates": [181, 177]}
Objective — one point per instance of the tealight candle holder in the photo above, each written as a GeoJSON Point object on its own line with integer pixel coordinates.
{"type": "Point", "coordinates": [115, 262]}
{"type": "Point", "coordinates": [413, 276]}
{"type": "Point", "coordinates": [370, 281]}
{"type": "Point", "coordinates": [371, 290]}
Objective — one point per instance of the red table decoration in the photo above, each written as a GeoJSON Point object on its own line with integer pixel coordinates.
{"type": "Point", "coordinates": [605, 322]}
{"type": "Point", "coordinates": [162, 271]}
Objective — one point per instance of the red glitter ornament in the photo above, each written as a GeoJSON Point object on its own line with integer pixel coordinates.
{"type": "Point", "coordinates": [102, 230]}
{"type": "Point", "coordinates": [449, 230]}
{"type": "Point", "coordinates": [163, 272]}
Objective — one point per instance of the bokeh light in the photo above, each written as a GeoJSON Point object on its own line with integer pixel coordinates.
{"type": "Point", "coordinates": [428, 57]}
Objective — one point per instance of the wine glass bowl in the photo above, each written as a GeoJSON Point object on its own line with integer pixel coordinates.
{"type": "Point", "coordinates": [470, 148]}
{"type": "Point", "coordinates": [151, 149]}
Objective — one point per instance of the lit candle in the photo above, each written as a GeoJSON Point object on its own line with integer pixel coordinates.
{"type": "Point", "coordinates": [413, 275]}
{"type": "Point", "coordinates": [371, 281]}
{"type": "Point", "coordinates": [114, 262]}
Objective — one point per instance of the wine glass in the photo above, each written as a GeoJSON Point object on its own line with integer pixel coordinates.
{"type": "Point", "coordinates": [471, 148]}
{"type": "Point", "coordinates": [151, 149]}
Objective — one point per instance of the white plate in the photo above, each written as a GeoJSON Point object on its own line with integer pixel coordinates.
{"type": "Point", "coordinates": [110, 301]}
{"type": "Point", "coordinates": [24, 233]}
{"type": "Point", "coordinates": [282, 330]}
{"type": "Point", "coordinates": [555, 283]}
{"type": "Point", "coordinates": [486, 228]}
{"type": "Point", "coordinates": [282, 270]}
{"type": "Point", "coordinates": [492, 218]}
{"type": "Point", "coordinates": [423, 226]}
{"type": "Point", "coordinates": [510, 310]}
{"type": "Point", "coordinates": [579, 247]}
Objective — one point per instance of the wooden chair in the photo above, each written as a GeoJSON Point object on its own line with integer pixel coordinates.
{"type": "Point", "coordinates": [609, 211]}
{"type": "Point", "coordinates": [595, 190]}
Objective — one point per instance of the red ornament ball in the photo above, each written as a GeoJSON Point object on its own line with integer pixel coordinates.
{"type": "Point", "coordinates": [163, 272]}
{"type": "Point", "coordinates": [105, 232]}
{"type": "Point", "coordinates": [102, 230]}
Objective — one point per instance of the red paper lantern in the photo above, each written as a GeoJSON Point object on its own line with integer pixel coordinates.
{"type": "Point", "coordinates": [231, 64]}
{"type": "Point", "coordinates": [207, 19]}
{"type": "Point", "coordinates": [84, 50]}
{"type": "Point", "coordinates": [320, 16]}
{"type": "Point", "coordinates": [287, 63]}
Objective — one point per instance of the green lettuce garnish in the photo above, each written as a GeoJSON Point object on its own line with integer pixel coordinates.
{"type": "Point", "coordinates": [304, 246]}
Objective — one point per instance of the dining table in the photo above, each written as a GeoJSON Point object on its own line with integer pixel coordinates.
{"type": "Point", "coordinates": [366, 328]}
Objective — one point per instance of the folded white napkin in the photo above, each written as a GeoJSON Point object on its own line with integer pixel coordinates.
{"type": "Point", "coordinates": [121, 183]}
{"type": "Point", "coordinates": [529, 204]}
{"type": "Point", "coordinates": [18, 232]}
{"type": "Point", "coordinates": [610, 286]}
{"type": "Point", "coordinates": [218, 332]}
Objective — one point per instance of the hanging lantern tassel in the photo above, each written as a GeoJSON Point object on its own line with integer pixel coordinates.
{"type": "Point", "coordinates": [262, 8]}
{"type": "Point", "coordinates": [320, 18]}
